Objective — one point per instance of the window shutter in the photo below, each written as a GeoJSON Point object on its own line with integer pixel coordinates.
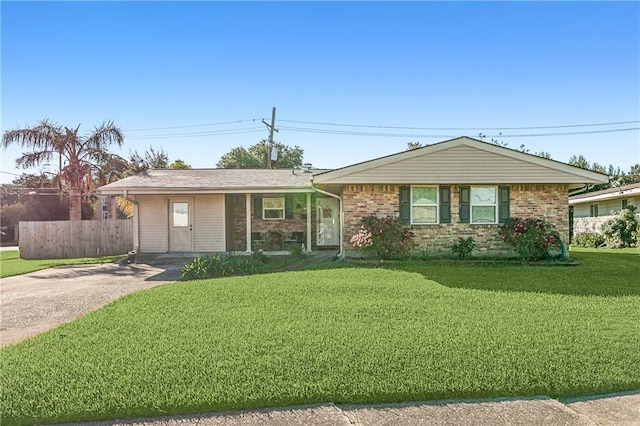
{"type": "Point", "coordinates": [503, 208]}
{"type": "Point", "coordinates": [405, 205]}
{"type": "Point", "coordinates": [257, 207]}
{"type": "Point", "coordinates": [288, 207]}
{"type": "Point", "coordinates": [465, 205]}
{"type": "Point", "coordinates": [445, 204]}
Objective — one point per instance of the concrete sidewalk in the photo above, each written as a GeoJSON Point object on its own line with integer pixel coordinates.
{"type": "Point", "coordinates": [617, 409]}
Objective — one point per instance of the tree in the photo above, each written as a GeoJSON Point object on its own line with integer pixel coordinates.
{"type": "Point", "coordinates": [152, 159]}
{"type": "Point", "coordinates": [256, 157]}
{"type": "Point", "coordinates": [579, 161]}
{"type": "Point", "coordinates": [179, 164]}
{"type": "Point", "coordinates": [79, 153]}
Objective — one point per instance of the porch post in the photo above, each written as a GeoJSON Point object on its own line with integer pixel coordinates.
{"type": "Point", "coordinates": [248, 212]}
{"type": "Point", "coordinates": [136, 227]}
{"type": "Point", "coordinates": [309, 222]}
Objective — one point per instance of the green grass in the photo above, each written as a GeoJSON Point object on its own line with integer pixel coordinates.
{"type": "Point", "coordinates": [342, 335]}
{"type": "Point", "coordinates": [11, 264]}
{"type": "Point", "coordinates": [601, 273]}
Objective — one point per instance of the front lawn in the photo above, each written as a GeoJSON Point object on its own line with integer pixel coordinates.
{"type": "Point", "coordinates": [343, 335]}
{"type": "Point", "coordinates": [11, 264]}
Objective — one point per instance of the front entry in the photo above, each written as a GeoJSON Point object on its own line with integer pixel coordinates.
{"type": "Point", "coordinates": [181, 224]}
{"type": "Point", "coordinates": [328, 213]}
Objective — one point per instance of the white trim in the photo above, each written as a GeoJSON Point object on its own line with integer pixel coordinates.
{"type": "Point", "coordinates": [602, 197]}
{"type": "Point", "coordinates": [436, 205]}
{"type": "Point", "coordinates": [248, 219]}
{"type": "Point", "coordinates": [283, 209]}
{"type": "Point", "coordinates": [574, 174]}
{"type": "Point", "coordinates": [496, 205]}
{"type": "Point", "coordinates": [189, 191]}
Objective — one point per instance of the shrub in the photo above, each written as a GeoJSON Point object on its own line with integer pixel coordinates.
{"type": "Point", "coordinates": [588, 239]}
{"type": "Point", "coordinates": [384, 237]}
{"type": "Point", "coordinates": [532, 238]}
{"type": "Point", "coordinates": [223, 266]}
{"type": "Point", "coordinates": [622, 230]}
{"type": "Point", "coordinates": [463, 247]}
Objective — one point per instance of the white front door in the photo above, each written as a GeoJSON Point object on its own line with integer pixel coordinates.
{"type": "Point", "coordinates": [328, 218]}
{"type": "Point", "coordinates": [181, 224]}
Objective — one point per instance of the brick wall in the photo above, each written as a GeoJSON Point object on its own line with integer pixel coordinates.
{"type": "Point", "coordinates": [549, 201]}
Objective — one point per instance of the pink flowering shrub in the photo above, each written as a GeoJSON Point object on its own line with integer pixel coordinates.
{"type": "Point", "coordinates": [384, 237]}
{"type": "Point", "coordinates": [532, 238]}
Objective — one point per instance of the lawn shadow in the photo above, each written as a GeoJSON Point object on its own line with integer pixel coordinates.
{"type": "Point", "coordinates": [598, 274]}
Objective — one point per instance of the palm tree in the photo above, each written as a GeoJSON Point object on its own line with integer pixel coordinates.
{"type": "Point", "coordinates": [79, 153]}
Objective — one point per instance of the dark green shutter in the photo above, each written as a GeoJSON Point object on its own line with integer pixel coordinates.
{"type": "Point", "coordinates": [405, 204]}
{"type": "Point", "coordinates": [445, 204]}
{"type": "Point", "coordinates": [288, 207]}
{"type": "Point", "coordinates": [257, 207]}
{"type": "Point", "coordinates": [503, 201]}
{"type": "Point", "coordinates": [464, 214]}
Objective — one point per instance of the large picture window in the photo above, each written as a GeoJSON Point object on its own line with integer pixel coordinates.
{"type": "Point", "coordinates": [484, 204]}
{"type": "Point", "coordinates": [424, 204]}
{"type": "Point", "coordinates": [273, 208]}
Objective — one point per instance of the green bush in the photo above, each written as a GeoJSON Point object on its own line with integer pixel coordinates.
{"type": "Point", "coordinates": [463, 247]}
{"type": "Point", "coordinates": [223, 266]}
{"type": "Point", "coordinates": [588, 239]}
{"type": "Point", "coordinates": [533, 239]}
{"type": "Point", "coordinates": [622, 230]}
{"type": "Point", "coordinates": [384, 237]}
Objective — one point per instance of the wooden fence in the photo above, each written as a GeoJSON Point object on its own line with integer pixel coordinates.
{"type": "Point", "coordinates": [82, 238]}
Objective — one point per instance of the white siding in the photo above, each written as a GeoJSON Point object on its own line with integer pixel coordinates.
{"type": "Point", "coordinates": [458, 165]}
{"type": "Point", "coordinates": [154, 223]}
{"type": "Point", "coordinates": [605, 207]}
{"type": "Point", "coordinates": [209, 223]}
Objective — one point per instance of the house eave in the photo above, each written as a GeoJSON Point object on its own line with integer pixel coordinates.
{"type": "Point", "coordinates": [196, 191]}
{"type": "Point", "coordinates": [574, 175]}
{"type": "Point", "coordinates": [603, 197]}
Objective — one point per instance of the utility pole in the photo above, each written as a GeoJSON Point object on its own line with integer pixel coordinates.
{"type": "Point", "coordinates": [272, 128]}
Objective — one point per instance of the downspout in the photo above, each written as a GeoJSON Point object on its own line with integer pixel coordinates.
{"type": "Point", "coordinates": [341, 253]}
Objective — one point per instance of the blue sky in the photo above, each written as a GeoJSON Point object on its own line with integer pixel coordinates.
{"type": "Point", "coordinates": [470, 66]}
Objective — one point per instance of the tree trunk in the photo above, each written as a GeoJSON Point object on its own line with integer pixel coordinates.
{"type": "Point", "coordinates": [75, 205]}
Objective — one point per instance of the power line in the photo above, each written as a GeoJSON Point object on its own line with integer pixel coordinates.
{"type": "Point", "coordinates": [198, 134]}
{"type": "Point", "coordinates": [461, 128]}
{"type": "Point", "coordinates": [410, 135]}
{"type": "Point", "coordinates": [191, 125]}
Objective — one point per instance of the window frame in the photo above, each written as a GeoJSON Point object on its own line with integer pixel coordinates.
{"type": "Point", "coordinates": [436, 205]}
{"type": "Point", "coordinates": [282, 210]}
{"type": "Point", "coordinates": [495, 205]}
{"type": "Point", "coordinates": [625, 203]}
{"type": "Point", "coordinates": [593, 210]}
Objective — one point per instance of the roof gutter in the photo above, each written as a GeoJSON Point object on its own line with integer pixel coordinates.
{"type": "Point", "coordinates": [330, 194]}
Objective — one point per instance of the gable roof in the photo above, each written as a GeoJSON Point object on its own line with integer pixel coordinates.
{"type": "Point", "coordinates": [212, 181]}
{"type": "Point", "coordinates": [624, 191]}
{"type": "Point", "coordinates": [462, 160]}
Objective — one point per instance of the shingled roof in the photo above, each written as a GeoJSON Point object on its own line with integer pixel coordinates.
{"type": "Point", "coordinates": [213, 181]}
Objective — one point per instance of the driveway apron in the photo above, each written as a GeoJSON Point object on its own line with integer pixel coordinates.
{"type": "Point", "coordinates": [35, 302]}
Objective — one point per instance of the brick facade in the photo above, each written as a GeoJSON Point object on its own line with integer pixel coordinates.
{"type": "Point", "coordinates": [549, 201]}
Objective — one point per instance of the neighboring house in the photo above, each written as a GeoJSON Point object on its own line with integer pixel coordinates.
{"type": "Point", "coordinates": [457, 188]}
{"type": "Point", "coordinates": [592, 209]}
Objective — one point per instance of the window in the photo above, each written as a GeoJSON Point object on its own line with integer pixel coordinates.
{"type": "Point", "coordinates": [424, 204]}
{"type": "Point", "coordinates": [483, 204]}
{"type": "Point", "coordinates": [625, 204]}
{"type": "Point", "coordinates": [594, 210]}
{"type": "Point", "coordinates": [180, 215]}
{"type": "Point", "coordinates": [273, 208]}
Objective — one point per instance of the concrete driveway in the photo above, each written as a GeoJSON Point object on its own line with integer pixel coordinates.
{"type": "Point", "coordinates": [35, 302]}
